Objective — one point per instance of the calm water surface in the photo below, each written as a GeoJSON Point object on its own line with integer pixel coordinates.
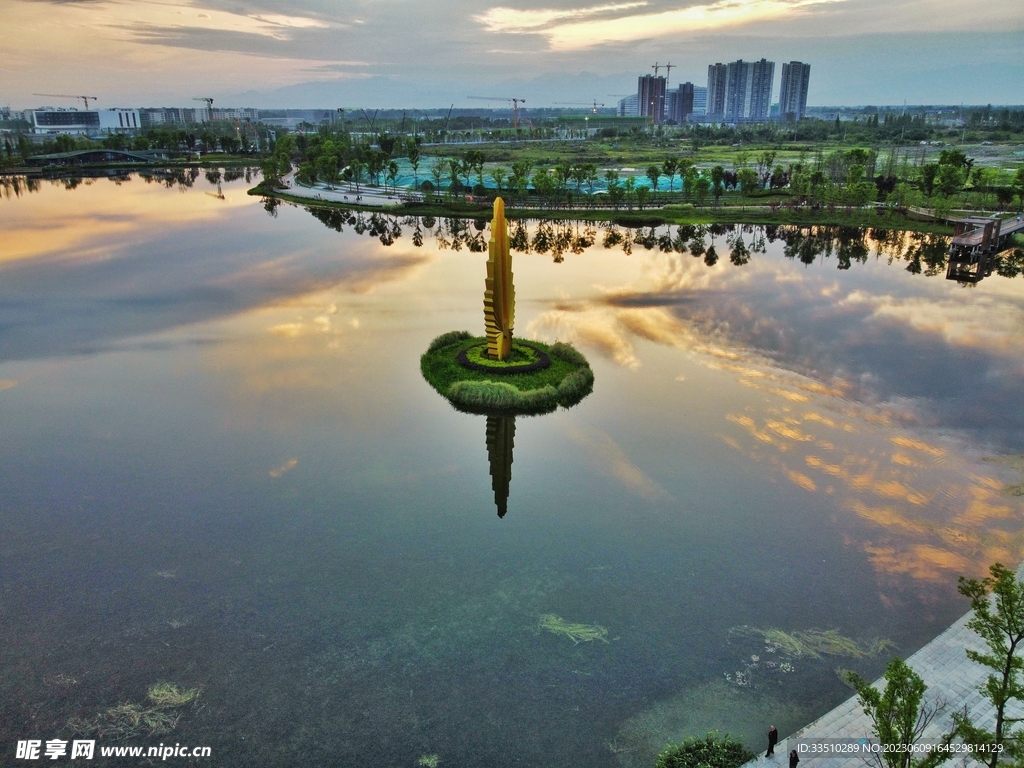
{"type": "Point", "coordinates": [222, 469]}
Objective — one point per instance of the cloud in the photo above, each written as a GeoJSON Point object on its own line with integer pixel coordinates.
{"type": "Point", "coordinates": [518, 20]}
{"type": "Point", "coordinates": [611, 459]}
{"type": "Point", "coordinates": [576, 29]}
{"type": "Point", "coordinates": [139, 16]}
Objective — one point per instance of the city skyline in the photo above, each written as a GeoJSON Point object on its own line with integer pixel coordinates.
{"type": "Point", "coordinates": [245, 52]}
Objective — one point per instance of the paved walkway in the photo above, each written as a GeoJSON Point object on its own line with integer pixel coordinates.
{"type": "Point", "coordinates": [950, 676]}
{"type": "Point", "coordinates": [372, 197]}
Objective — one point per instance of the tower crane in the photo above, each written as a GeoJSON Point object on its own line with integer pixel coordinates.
{"type": "Point", "coordinates": [593, 105]}
{"type": "Point", "coordinates": [85, 99]}
{"type": "Point", "coordinates": [515, 105]}
{"type": "Point", "coordinates": [209, 105]}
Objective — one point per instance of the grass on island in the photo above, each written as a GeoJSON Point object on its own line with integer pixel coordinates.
{"type": "Point", "coordinates": [565, 382]}
{"type": "Point", "coordinates": [578, 633]}
{"type": "Point", "coordinates": [129, 721]}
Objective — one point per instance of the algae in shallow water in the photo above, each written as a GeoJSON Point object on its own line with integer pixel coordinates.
{"type": "Point", "coordinates": [578, 633]}
{"type": "Point", "coordinates": [127, 721]}
{"type": "Point", "coordinates": [813, 643]}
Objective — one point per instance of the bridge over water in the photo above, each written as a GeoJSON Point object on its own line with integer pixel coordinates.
{"type": "Point", "coordinates": [975, 241]}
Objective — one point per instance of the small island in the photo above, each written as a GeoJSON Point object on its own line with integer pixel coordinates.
{"type": "Point", "coordinates": [496, 373]}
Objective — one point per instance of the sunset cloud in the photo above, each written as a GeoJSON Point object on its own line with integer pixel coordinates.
{"type": "Point", "coordinates": [578, 28]}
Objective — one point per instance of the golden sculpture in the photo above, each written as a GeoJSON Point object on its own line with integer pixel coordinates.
{"type": "Point", "coordinates": [499, 295]}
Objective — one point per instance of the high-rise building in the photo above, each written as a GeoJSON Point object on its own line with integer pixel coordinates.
{"type": "Point", "coordinates": [715, 103]}
{"type": "Point", "coordinates": [700, 100]}
{"type": "Point", "coordinates": [793, 91]}
{"type": "Point", "coordinates": [650, 94]}
{"type": "Point", "coordinates": [680, 103]}
{"type": "Point", "coordinates": [748, 90]}
{"type": "Point", "coordinates": [629, 106]}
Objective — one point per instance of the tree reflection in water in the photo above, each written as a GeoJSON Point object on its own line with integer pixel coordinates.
{"type": "Point", "coordinates": [923, 253]}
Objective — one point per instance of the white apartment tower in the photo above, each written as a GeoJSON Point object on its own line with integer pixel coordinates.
{"type": "Point", "coordinates": [793, 90]}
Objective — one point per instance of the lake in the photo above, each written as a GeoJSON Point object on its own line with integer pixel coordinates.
{"type": "Point", "coordinates": [223, 470]}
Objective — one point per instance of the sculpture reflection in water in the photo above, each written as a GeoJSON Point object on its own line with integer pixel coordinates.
{"type": "Point", "coordinates": [501, 432]}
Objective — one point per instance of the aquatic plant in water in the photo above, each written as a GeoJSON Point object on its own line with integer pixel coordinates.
{"type": "Point", "coordinates": [801, 644]}
{"type": "Point", "coordinates": [578, 633]}
{"type": "Point", "coordinates": [127, 721]}
{"type": "Point", "coordinates": [170, 695]}
{"type": "Point", "coordinates": [429, 761]}
{"type": "Point", "coordinates": [813, 643]}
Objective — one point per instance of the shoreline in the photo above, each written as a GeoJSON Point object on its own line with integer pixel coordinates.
{"type": "Point", "coordinates": [950, 676]}
{"type": "Point", "coordinates": [402, 202]}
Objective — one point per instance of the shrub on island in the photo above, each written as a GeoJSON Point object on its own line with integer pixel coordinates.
{"type": "Point", "coordinates": [711, 751]}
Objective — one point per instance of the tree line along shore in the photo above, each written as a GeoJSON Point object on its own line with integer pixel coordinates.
{"type": "Point", "coordinates": [858, 173]}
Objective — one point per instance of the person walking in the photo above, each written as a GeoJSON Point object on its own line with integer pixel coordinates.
{"type": "Point", "coordinates": [794, 758]}
{"type": "Point", "coordinates": [773, 739]}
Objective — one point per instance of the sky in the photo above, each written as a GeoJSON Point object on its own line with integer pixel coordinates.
{"type": "Point", "coordinates": [432, 53]}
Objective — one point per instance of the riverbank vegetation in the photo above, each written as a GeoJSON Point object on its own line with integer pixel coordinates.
{"type": "Point", "coordinates": [906, 165]}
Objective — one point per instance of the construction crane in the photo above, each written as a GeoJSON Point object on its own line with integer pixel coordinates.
{"type": "Point", "coordinates": [595, 105]}
{"type": "Point", "coordinates": [85, 99]}
{"type": "Point", "coordinates": [668, 71]}
{"type": "Point", "coordinates": [515, 105]}
{"type": "Point", "coordinates": [209, 105]}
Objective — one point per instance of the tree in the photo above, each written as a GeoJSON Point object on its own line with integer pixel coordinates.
{"type": "Point", "coordinates": [498, 175]}
{"type": "Point", "coordinates": [654, 173]}
{"type": "Point", "coordinates": [414, 161]}
{"type": "Point", "coordinates": [356, 169]}
{"type": "Point", "coordinates": [1000, 623]}
{"type": "Point", "coordinates": [392, 174]}
{"type": "Point", "coordinates": [628, 186]}
{"type": "Point", "coordinates": [437, 170]}
{"type": "Point", "coordinates": [748, 180]}
{"type": "Point", "coordinates": [717, 176]}
{"type": "Point", "coordinates": [327, 168]}
{"type": "Point", "coordinates": [701, 187]}
{"type": "Point", "coordinates": [375, 164]}
{"type": "Point", "coordinates": [898, 713]}
{"type": "Point", "coordinates": [545, 184]}
{"type": "Point", "coordinates": [643, 194]}
{"type": "Point", "coordinates": [474, 161]}
{"type": "Point", "coordinates": [1018, 185]}
{"type": "Point", "coordinates": [670, 167]}
{"type": "Point", "coordinates": [65, 143]}
{"type": "Point", "coordinates": [563, 174]}
{"type": "Point", "coordinates": [949, 179]}
{"type": "Point", "coordinates": [615, 194]}
{"type": "Point", "coordinates": [590, 175]}
{"type": "Point", "coordinates": [520, 176]}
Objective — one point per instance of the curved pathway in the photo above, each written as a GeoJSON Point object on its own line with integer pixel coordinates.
{"type": "Point", "coordinates": [950, 676]}
{"type": "Point", "coordinates": [371, 197]}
